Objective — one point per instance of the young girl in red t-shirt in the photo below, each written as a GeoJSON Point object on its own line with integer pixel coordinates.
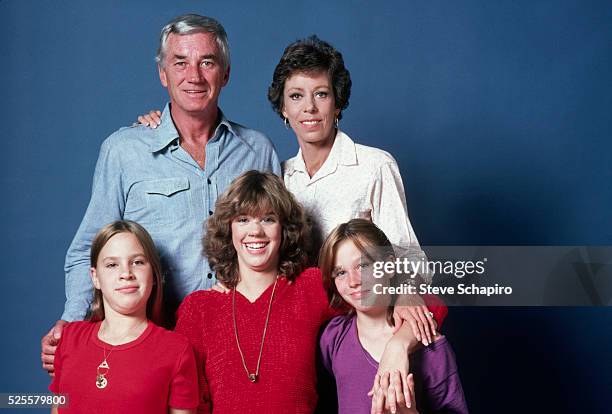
{"type": "Point", "coordinates": [119, 360]}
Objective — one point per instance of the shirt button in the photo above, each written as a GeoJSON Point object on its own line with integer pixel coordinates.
{"type": "Point", "coordinates": [209, 275]}
{"type": "Point", "coordinates": [209, 182]}
{"type": "Point", "coordinates": [210, 213]}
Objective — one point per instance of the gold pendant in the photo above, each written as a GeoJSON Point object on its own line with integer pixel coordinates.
{"type": "Point", "coordinates": [101, 381]}
{"type": "Point", "coordinates": [253, 378]}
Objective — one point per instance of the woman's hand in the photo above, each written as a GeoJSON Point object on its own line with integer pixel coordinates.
{"type": "Point", "coordinates": [152, 119]}
{"type": "Point", "coordinates": [413, 310]}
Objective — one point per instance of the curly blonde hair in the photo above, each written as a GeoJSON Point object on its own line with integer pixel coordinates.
{"type": "Point", "coordinates": [252, 193]}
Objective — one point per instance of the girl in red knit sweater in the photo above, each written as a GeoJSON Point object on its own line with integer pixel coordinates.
{"type": "Point", "coordinates": [119, 360]}
{"type": "Point", "coordinates": [256, 346]}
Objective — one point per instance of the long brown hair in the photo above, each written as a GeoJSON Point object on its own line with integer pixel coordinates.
{"type": "Point", "coordinates": [154, 303]}
{"type": "Point", "coordinates": [363, 233]}
{"type": "Point", "coordinates": [256, 192]}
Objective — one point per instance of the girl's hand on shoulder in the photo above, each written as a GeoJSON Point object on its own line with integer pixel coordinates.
{"type": "Point", "coordinates": [152, 119]}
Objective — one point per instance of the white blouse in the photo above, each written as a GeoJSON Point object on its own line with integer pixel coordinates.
{"type": "Point", "coordinates": [355, 181]}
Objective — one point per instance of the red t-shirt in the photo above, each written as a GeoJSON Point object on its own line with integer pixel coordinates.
{"type": "Point", "coordinates": [147, 375]}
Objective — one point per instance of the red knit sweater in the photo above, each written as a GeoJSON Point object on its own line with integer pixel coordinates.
{"type": "Point", "coordinates": [287, 376]}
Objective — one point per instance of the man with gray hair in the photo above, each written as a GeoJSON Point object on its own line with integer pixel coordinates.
{"type": "Point", "coordinates": [168, 179]}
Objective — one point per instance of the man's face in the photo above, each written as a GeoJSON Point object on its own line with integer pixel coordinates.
{"type": "Point", "coordinates": [193, 73]}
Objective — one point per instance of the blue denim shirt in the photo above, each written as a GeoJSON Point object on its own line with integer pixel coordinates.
{"type": "Point", "coordinates": [144, 175]}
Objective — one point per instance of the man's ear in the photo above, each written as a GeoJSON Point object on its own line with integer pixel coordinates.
{"type": "Point", "coordinates": [226, 76]}
{"type": "Point", "coordinates": [162, 76]}
{"type": "Point", "coordinates": [94, 277]}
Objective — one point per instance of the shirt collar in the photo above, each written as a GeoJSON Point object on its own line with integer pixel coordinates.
{"type": "Point", "coordinates": [166, 133]}
{"type": "Point", "coordinates": [347, 150]}
{"type": "Point", "coordinates": [343, 152]}
{"type": "Point", "coordinates": [225, 122]}
{"type": "Point", "coordinates": [295, 164]}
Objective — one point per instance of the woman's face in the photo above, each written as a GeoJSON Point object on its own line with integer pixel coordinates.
{"type": "Point", "coordinates": [257, 240]}
{"type": "Point", "coordinates": [124, 275]}
{"type": "Point", "coordinates": [310, 107]}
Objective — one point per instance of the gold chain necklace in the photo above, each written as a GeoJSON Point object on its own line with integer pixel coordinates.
{"type": "Point", "coordinates": [103, 368]}
{"type": "Point", "coordinates": [252, 377]}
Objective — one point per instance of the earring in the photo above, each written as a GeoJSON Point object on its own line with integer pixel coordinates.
{"type": "Point", "coordinates": [336, 122]}
{"type": "Point", "coordinates": [286, 121]}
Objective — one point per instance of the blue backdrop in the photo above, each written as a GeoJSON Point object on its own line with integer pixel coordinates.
{"type": "Point", "coordinates": [498, 113]}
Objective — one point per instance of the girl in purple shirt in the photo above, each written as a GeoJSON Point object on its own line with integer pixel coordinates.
{"type": "Point", "coordinates": [351, 345]}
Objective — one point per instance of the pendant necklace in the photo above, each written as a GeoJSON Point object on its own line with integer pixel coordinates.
{"type": "Point", "coordinates": [253, 377]}
{"type": "Point", "coordinates": [102, 370]}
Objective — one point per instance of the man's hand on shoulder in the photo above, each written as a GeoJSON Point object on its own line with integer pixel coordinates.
{"type": "Point", "coordinates": [48, 345]}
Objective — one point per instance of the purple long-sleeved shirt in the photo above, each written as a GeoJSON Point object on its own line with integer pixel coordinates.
{"type": "Point", "coordinates": [437, 385]}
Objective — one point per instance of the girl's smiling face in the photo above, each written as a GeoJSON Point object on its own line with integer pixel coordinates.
{"type": "Point", "coordinates": [257, 240]}
{"type": "Point", "coordinates": [354, 280]}
{"type": "Point", "coordinates": [124, 275]}
{"type": "Point", "coordinates": [348, 267]}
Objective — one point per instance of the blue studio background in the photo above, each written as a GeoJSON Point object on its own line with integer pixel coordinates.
{"type": "Point", "coordinates": [498, 113]}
